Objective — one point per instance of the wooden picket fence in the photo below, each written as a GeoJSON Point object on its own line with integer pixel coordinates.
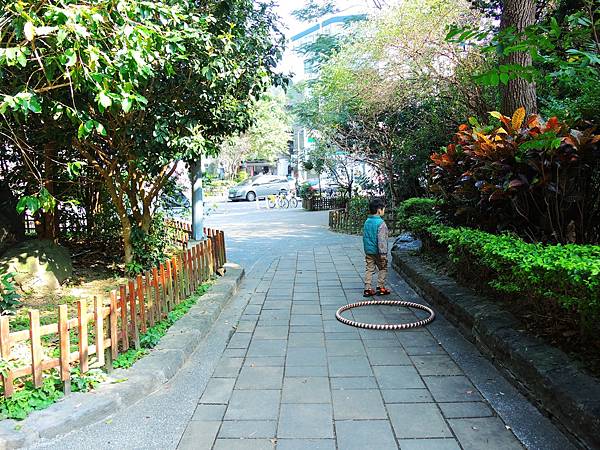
{"type": "Point", "coordinates": [180, 232]}
{"type": "Point", "coordinates": [324, 203]}
{"type": "Point", "coordinates": [342, 221]}
{"type": "Point", "coordinates": [118, 321]}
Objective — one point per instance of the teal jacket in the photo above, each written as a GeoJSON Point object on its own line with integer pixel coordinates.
{"type": "Point", "coordinates": [375, 236]}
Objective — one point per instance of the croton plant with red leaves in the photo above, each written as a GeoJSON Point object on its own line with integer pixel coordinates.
{"type": "Point", "coordinates": [536, 178]}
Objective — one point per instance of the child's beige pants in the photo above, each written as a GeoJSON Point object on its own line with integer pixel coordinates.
{"type": "Point", "coordinates": [373, 262]}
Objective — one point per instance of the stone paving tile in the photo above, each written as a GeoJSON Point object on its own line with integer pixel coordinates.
{"type": "Point", "coordinates": [365, 434]}
{"type": "Point", "coordinates": [253, 405]}
{"type": "Point", "coordinates": [349, 366]}
{"type": "Point", "coordinates": [306, 328]}
{"type": "Point", "coordinates": [199, 434]}
{"type": "Point", "coordinates": [260, 378]}
{"type": "Point", "coordinates": [358, 404]}
{"type": "Point", "coordinates": [347, 335]}
{"type": "Point", "coordinates": [306, 390]}
{"type": "Point", "coordinates": [398, 377]}
{"type": "Point", "coordinates": [267, 347]}
{"type": "Point", "coordinates": [406, 396]}
{"type": "Point", "coordinates": [239, 340]}
{"type": "Point", "coordinates": [305, 319]}
{"type": "Point", "coordinates": [452, 389]}
{"type": "Point", "coordinates": [246, 326]}
{"type": "Point", "coordinates": [306, 356]}
{"type": "Point", "coordinates": [234, 352]}
{"type": "Point", "coordinates": [417, 420]}
{"type": "Point", "coordinates": [209, 412]}
{"type": "Point", "coordinates": [306, 371]}
{"type": "Point", "coordinates": [218, 390]}
{"type": "Point", "coordinates": [387, 356]}
{"type": "Point", "coordinates": [264, 361]}
{"type": "Point", "coordinates": [252, 309]}
{"type": "Point", "coordinates": [228, 368]}
{"type": "Point", "coordinates": [305, 421]}
{"type": "Point", "coordinates": [435, 349]}
{"type": "Point", "coordinates": [489, 433]}
{"type": "Point", "coordinates": [429, 444]}
{"type": "Point", "coordinates": [248, 429]}
{"type": "Point", "coordinates": [243, 444]}
{"type": "Point", "coordinates": [271, 332]}
{"type": "Point", "coordinates": [436, 365]}
{"type": "Point", "coordinates": [305, 309]}
{"type": "Point", "coordinates": [465, 410]}
{"type": "Point", "coordinates": [305, 444]}
{"type": "Point", "coordinates": [306, 340]}
{"type": "Point", "coordinates": [345, 348]}
{"type": "Point", "coordinates": [354, 383]}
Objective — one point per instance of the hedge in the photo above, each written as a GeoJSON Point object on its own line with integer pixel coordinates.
{"type": "Point", "coordinates": [568, 274]}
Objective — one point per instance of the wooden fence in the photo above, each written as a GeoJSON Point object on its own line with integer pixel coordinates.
{"type": "Point", "coordinates": [340, 220]}
{"type": "Point", "coordinates": [117, 322]}
{"type": "Point", "coordinates": [324, 203]}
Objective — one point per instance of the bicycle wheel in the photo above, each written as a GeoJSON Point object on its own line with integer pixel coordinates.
{"type": "Point", "coordinates": [271, 202]}
{"type": "Point", "coordinates": [283, 203]}
{"type": "Point", "coordinates": [293, 202]}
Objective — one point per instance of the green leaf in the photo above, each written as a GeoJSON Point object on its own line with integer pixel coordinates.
{"type": "Point", "coordinates": [29, 202]}
{"type": "Point", "coordinates": [104, 100]}
{"type": "Point", "coordinates": [126, 104]}
{"type": "Point", "coordinates": [504, 78]}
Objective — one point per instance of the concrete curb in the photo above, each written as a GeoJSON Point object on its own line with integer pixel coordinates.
{"type": "Point", "coordinates": [126, 387]}
{"type": "Point", "coordinates": [546, 375]}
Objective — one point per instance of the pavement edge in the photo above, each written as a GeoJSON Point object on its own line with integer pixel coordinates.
{"type": "Point", "coordinates": [126, 387]}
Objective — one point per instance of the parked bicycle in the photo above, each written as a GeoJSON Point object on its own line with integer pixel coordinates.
{"type": "Point", "coordinates": [282, 200]}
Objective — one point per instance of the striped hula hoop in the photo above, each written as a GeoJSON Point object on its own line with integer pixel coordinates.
{"type": "Point", "coordinates": [392, 326]}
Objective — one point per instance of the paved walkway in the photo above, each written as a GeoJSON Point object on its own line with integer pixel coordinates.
{"type": "Point", "coordinates": [295, 378]}
{"type": "Point", "coordinates": [278, 371]}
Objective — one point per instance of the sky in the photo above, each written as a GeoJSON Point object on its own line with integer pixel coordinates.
{"type": "Point", "coordinates": [293, 26]}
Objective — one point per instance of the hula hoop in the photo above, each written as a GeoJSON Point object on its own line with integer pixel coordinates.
{"type": "Point", "coordinates": [386, 326]}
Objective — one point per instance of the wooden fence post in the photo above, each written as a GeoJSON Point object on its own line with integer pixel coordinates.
{"type": "Point", "coordinates": [123, 306]}
{"type": "Point", "coordinates": [140, 291]}
{"type": "Point", "coordinates": [114, 331]}
{"type": "Point", "coordinates": [5, 346]}
{"type": "Point", "coordinates": [133, 315]}
{"type": "Point", "coordinates": [64, 339]}
{"type": "Point", "coordinates": [82, 328]}
{"type": "Point", "coordinates": [163, 291]}
{"type": "Point", "coordinates": [170, 296]}
{"type": "Point", "coordinates": [36, 347]}
{"type": "Point", "coordinates": [150, 309]}
{"type": "Point", "coordinates": [156, 312]}
{"type": "Point", "coordinates": [211, 267]}
{"type": "Point", "coordinates": [176, 275]}
{"type": "Point", "coordinates": [99, 327]}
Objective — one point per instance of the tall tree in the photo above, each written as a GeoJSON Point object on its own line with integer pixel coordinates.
{"type": "Point", "coordinates": [517, 15]}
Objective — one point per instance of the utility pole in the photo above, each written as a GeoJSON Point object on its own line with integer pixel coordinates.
{"type": "Point", "coordinates": [197, 200]}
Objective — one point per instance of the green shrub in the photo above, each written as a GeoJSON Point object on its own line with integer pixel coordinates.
{"type": "Point", "coordinates": [358, 208]}
{"type": "Point", "coordinates": [416, 214]}
{"type": "Point", "coordinates": [9, 299]}
{"type": "Point", "coordinates": [567, 274]}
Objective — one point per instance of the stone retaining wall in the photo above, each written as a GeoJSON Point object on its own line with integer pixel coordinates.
{"type": "Point", "coordinates": [545, 374]}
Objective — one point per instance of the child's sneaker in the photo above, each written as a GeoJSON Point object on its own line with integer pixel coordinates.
{"type": "Point", "coordinates": [383, 291]}
{"type": "Point", "coordinates": [369, 293]}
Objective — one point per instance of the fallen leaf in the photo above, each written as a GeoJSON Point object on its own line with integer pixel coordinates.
{"type": "Point", "coordinates": [108, 422]}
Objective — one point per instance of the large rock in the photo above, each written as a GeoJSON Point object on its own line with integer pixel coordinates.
{"type": "Point", "coordinates": [37, 264]}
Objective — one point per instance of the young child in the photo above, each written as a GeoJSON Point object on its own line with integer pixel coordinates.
{"type": "Point", "coordinates": [375, 241]}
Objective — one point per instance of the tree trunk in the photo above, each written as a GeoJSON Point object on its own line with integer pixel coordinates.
{"type": "Point", "coordinates": [518, 92]}
{"type": "Point", "coordinates": [127, 244]}
{"type": "Point", "coordinates": [48, 218]}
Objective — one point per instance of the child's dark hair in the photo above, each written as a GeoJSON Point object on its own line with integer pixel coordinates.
{"type": "Point", "coordinates": [375, 204]}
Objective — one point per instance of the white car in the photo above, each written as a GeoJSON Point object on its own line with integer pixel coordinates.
{"type": "Point", "coordinates": [259, 187]}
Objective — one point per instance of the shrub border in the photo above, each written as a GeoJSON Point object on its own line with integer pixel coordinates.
{"type": "Point", "coordinates": [546, 375]}
{"type": "Point", "coordinates": [128, 386]}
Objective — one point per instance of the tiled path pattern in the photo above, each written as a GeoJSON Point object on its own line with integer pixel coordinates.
{"type": "Point", "coordinates": [292, 377]}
